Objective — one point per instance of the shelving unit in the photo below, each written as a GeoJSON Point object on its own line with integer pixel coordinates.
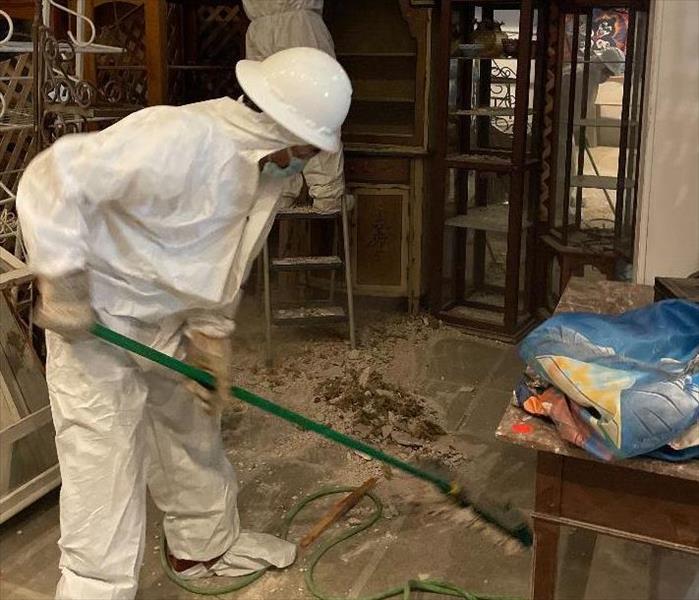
{"type": "Point", "coordinates": [385, 48]}
{"type": "Point", "coordinates": [382, 47]}
{"type": "Point", "coordinates": [17, 124]}
{"type": "Point", "coordinates": [28, 463]}
{"type": "Point", "coordinates": [485, 171]}
{"type": "Point", "coordinates": [582, 199]}
{"type": "Point", "coordinates": [204, 41]}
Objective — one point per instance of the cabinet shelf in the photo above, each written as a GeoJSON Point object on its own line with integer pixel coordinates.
{"type": "Point", "coordinates": [492, 111]}
{"type": "Point", "coordinates": [604, 122]}
{"type": "Point", "coordinates": [376, 54]}
{"type": "Point", "coordinates": [486, 162]}
{"type": "Point", "coordinates": [503, 80]}
{"type": "Point", "coordinates": [388, 129]}
{"type": "Point", "coordinates": [595, 61]}
{"type": "Point", "coordinates": [598, 182]}
{"type": "Point", "coordinates": [485, 218]}
{"type": "Point", "coordinates": [384, 99]}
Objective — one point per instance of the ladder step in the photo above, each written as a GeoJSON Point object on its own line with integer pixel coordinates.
{"type": "Point", "coordinates": [307, 212]}
{"type": "Point", "coordinates": [307, 263]}
{"type": "Point", "coordinates": [309, 315]}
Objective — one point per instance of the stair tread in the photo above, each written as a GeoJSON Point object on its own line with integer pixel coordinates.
{"type": "Point", "coordinates": [308, 261]}
{"type": "Point", "coordinates": [307, 212]}
{"type": "Point", "coordinates": [303, 313]}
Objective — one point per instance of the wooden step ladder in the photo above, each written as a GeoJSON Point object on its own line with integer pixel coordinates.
{"type": "Point", "coordinates": [316, 314]}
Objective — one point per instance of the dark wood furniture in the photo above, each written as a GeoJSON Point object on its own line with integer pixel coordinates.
{"type": "Point", "coordinates": [642, 500]}
{"type": "Point", "coordinates": [673, 287]}
{"type": "Point", "coordinates": [384, 45]}
{"type": "Point", "coordinates": [589, 205]}
{"type": "Point", "coordinates": [485, 169]}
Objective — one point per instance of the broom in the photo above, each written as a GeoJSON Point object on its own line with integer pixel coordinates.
{"type": "Point", "coordinates": [508, 520]}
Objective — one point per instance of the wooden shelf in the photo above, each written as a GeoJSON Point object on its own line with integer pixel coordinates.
{"type": "Point", "coordinates": [461, 313]}
{"type": "Point", "coordinates": [376, 55]}
{"type": "Point", "coordinates": [603, 122]}
{"type": "Point", "coordinates": [486, 162]}
{"type": "Point", "coordinates": [595, 61]}
{"type": "Point", "coordinates": [583, 243]}
{"type": "Point", "coordinates": [493, 111]}
{"type": "Point", "coordinates": [485, 218]}
{"type": "Point", "coordinates": [598, 182]}
{"type": "Point", "coordinates": [384, 99]}
{"type": "Point", "coordinates": [479, 162]}
{"type": "Point", "coordinates": [499, 57]}
{"type": "Point", "coordinates": [393, 130]}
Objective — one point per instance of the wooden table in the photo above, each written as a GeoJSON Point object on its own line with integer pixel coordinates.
{"type": "Point", "coordinates": [643, 500]}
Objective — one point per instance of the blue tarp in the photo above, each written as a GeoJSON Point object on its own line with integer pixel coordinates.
{"type": "Point", "coordinates": [633, 378]}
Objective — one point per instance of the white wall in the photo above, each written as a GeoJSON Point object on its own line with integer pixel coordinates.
{"type": "Point", "coordinates": [667, 236]}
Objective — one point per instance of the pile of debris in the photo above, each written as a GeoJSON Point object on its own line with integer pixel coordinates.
{"type": "Point", "coordinates": [376, 410]}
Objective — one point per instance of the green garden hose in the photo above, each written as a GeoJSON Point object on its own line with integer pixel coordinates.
{"type": "Point", "coordinates": [427, 585]}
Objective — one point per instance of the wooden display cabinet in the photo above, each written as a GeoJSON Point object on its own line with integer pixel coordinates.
{"type": "Point", "coordinates": [384, 45]}
{"type": "Point", "coordinates": [485, 175]}
{"type": "Point", "coordinates": [597, 53]}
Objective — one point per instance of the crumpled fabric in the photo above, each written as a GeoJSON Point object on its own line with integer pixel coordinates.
{"type": "Point", "coordinates": [277, 25]}
{"type": "Point", "coordinates": [618, 386]}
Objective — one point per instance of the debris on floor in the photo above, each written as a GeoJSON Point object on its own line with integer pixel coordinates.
{"type": "Point", "coordinates": [376, 410]}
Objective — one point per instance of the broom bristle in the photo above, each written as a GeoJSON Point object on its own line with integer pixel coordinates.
{"type": "Point", "coordinates": [501, 524]}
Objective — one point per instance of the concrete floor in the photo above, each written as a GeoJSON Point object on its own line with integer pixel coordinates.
{"type": "Point", "coordinates": [471, 379]}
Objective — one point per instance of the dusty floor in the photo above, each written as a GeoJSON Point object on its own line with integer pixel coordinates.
{"type": "Point", "coordinates": [412, 379]}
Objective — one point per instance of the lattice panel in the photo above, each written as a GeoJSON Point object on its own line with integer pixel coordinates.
{"type": "Point", "coordinates": [122, 77]}
{"type": "Point", "coordinates": [16, 144]}
{"type": "Point", "coordinates": [175, 53]}
{"type": "Point", "coordinates": [220, 34]}
{"type": "Point", "coordinates": [219, 42]}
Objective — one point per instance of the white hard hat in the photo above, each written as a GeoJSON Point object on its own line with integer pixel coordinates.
{"type": "Point", "coordinates": [304, 90]}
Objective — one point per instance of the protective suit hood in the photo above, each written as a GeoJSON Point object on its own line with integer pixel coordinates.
{"type": "Point", "coordinates": [256, 134]}
{"type": "Point", "coordinates": [166, 209]}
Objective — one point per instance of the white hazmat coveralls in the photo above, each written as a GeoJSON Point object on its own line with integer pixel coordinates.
{"type": "Point", "coordinates": [280, 24]}
{"type": "Point", "coordinates": [166, 211]}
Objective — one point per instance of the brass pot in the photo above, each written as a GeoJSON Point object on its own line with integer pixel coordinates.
{"type": "Point", "coordinates": [490, 35]}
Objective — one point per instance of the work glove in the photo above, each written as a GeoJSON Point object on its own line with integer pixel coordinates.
{"type": "Point", "coordinates": [64, 306]}
{"type": "Point", "coordinates": [214, 354]}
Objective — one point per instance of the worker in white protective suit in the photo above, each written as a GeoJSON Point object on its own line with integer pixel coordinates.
{"type": "Point", "coordinates": [150, 227]}
{"type": "Point", "coordinates": [277, 25]}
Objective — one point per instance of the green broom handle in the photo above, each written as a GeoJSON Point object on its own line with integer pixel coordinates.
{"type": "Point", "coordinates": [208, 381]}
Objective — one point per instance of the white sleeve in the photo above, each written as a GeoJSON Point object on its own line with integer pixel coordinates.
{"type": "Point", "coordinates": [49, 208]}
{"type": "Point", "coordinates": [80, 173]}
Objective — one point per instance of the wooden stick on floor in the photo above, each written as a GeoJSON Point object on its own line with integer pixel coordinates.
{"type": "Point", "coordinates": [336, 511]}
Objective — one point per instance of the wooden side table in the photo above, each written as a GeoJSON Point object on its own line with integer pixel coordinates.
{"type": "Point", "coordinates": [642, 500]}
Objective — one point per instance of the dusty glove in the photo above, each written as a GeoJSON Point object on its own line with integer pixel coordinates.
{"type": "Point", "coordinates": [64, 306]}
{"type": "Point", "coordinates": [213, 354]}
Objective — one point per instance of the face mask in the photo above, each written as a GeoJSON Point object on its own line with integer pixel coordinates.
{"type": "Point", "coordinates": [295, 166]}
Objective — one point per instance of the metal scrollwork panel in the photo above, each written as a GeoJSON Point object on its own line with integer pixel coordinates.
{"type": "Point", "coordinates": [60, 85]}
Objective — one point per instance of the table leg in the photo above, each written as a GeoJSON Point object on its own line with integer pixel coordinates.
{"type": "Point", "coordinates": [545, 560]}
